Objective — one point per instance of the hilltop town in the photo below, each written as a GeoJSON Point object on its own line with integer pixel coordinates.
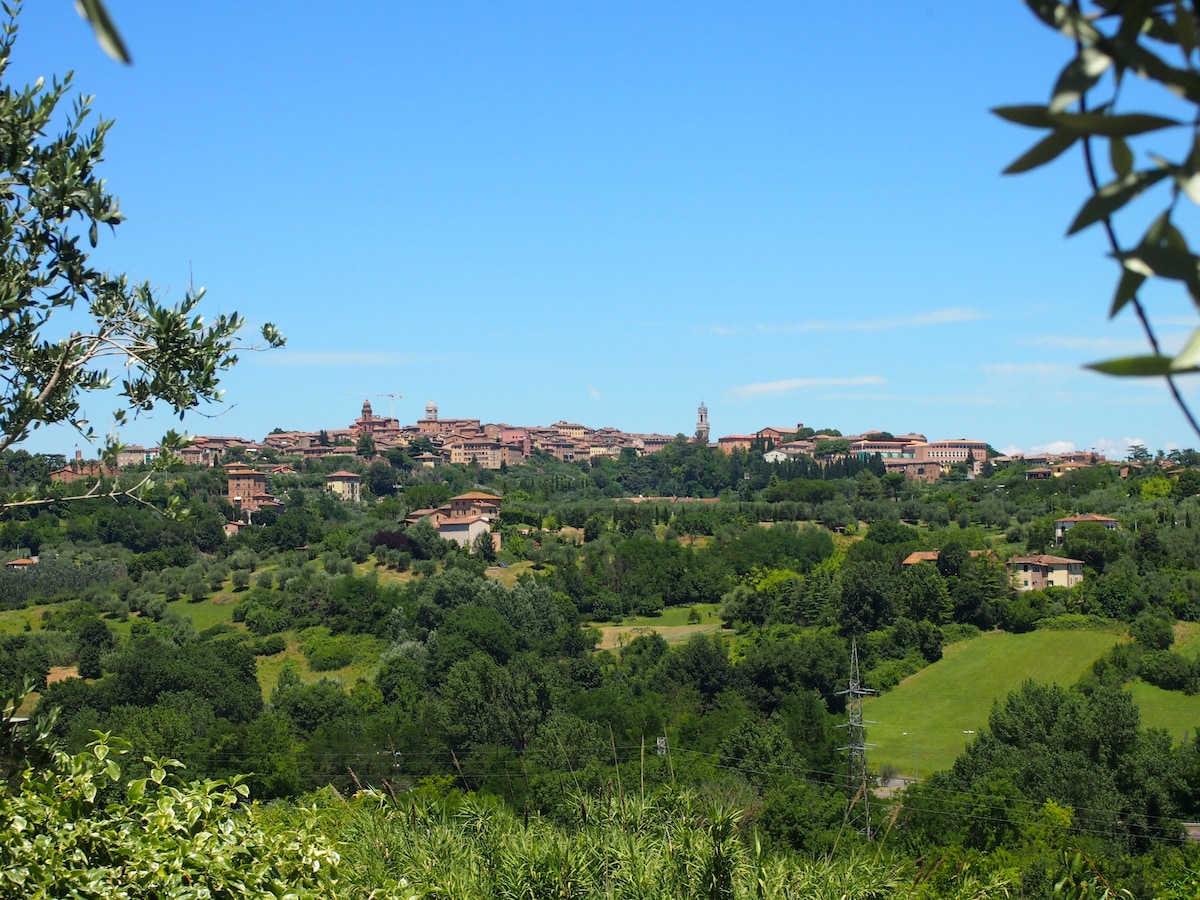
{"type": "Point", "coordinates": [433, 441]}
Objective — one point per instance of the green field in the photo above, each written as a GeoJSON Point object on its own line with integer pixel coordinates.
{"type": "Point", "coordinates": [1187, 638]}
{"type": "Point", "coordinates": [13, 621]}
{"type": "Point", "coordinates": [672, 625]}
{"type": "Point", "coordinates": [1176, 713]}
{"type": "Point", "coordinates": [216, 610]}
{"type": "Point", "coordinates": [943, 704]}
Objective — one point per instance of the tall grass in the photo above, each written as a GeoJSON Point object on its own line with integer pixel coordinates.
{"type": "Point", "coordinates": [669, 845]}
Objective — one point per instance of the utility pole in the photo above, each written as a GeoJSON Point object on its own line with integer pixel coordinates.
{"type": "Point", "coordinates": [858, 782]}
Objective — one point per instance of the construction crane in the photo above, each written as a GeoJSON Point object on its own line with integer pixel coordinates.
{"type": "Point", "coordinates": [394, 397]}
{"type": "Point", "coordinates": [373, 394]}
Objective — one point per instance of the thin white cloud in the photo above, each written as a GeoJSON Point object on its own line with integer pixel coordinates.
{"type": "Point", "coordinates": [798, 384]}
{"type": "Point", "coordinates": [936, 317]}
{"type": "Point", "coordinates": [1091, 344]}
{"type": "Point", "coordinates": [1117, 448]}
{"type": "Point", "coordinates": [1109, 448]}
{"type": "Point", "coordinates": [1055, 447]}
{"type": "Point", "coordinates": [317, 359]}
{"type": "Point", "coordinates": [1044, 369]}
{"type": "Point", "coordinates": [593, 393]}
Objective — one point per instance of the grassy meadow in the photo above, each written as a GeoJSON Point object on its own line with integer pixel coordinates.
{"type": "Point", "coordinates": [924, 723]}
{"type": "Point", "coordinates": [673, 625]}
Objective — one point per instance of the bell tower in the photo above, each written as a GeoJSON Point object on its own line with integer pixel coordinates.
{"type": "Point", "coordinates": [702, 424]}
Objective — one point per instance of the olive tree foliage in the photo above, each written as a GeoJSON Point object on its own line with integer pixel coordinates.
{"type": "Point", "coordinates": [1158, 41]}
{"type": "Point", "coordinates": [64, 322]}
{"type": "Point", "coordinates": [74, 826]}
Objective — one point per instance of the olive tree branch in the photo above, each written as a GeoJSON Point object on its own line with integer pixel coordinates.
{"type": "Point", "coordinates": [1114, 245]}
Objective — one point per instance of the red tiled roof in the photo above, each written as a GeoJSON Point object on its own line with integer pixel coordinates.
{"type": "Point", "coordinates": [1044, 560]}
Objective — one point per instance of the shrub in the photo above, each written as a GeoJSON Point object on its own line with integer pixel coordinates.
{"type": "Point", "coordinates": [329, 654]}
{"type": "Point", "coordinates": [269, 646]}
{"type": "Point", "coordinates": [73, 840]}
{"type": "Point", "coordinates": [1169, 671]}
{"type": "Point", "coordinates": [959, 631]}
{"type": "Point", "coordinates": [263, 621]}
{"type": "Point", "coordinates": [887, 675]}
{"type": "Point", "coordinates": [1073, 622]}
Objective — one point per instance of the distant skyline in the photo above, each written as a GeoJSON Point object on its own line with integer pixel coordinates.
{"type": "Point", "coordinates": [534, 212]}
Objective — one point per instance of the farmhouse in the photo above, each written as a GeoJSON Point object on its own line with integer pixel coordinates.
{"type": "Point", "coordinates": [1062, 526]}
{"type": "Point", "coordinates": [1034, 573]}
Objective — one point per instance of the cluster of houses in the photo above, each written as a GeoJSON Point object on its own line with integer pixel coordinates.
{"type": "Point", "coordinates": [496, 445]}
{"type": "Point", "coordinates": [1042, 570]}
{"type": "Point", "coordinates": [492, 446]}
{"type": "Point", "coordinates": [910, 454]}
{"type": "Point", "coordinates": [462, 519]}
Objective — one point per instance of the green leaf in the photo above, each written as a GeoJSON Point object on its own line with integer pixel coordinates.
{"type": "Point", "coordinates": [1079, 76]}
{"type": "Point", "coordinates": [1044, 151]}
{"type": "Point", "coordinates": [1189, 356]}
{"type": "Point", "coordinates": [1134, 366]}
{"type": "Point", "coordinates": [1063, 19]}
{"type": "Point", "coordinates": [1099, 124]}
{"type": "Point", "coordinates": [1185, 28]}
{"type": "Point", "coordinates": [1131, 282]}
{"type": "Point", "coordinates": [1113, 196]}
{"type": "Point", "coordinates": [1029, 116]}
{"type": "Point", "coordinates": [1120, 157]}
{"type": "Point", "coordinates": [106, 32]}
{"type": "Point", "coordinates": [1163, 261]}
{"type": "Point", "coordinates": [1133, 55]}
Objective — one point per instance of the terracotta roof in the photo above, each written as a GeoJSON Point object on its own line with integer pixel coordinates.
{"type": "Point", "coordinates": [1086, 517]}
{"type": "Point", "coordinates": [342, 473]}
{"type": "Point", "coordinates": [462, 521]}
{"type": "Point", "coordinates": [476, 495]}
{"type": "Point", "coordinates": [1044, 560]}
{"type": "Point", "coordinates": [918, 556]}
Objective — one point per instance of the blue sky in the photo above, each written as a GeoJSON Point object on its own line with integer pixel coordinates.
{"type": "Point", "coordinates": [607, 213]}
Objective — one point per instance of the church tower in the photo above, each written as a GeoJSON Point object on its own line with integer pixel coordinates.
{"type": "Point", "coordinates": [702, 424]}
{"type": "Point", "coordinates": [431, 411]}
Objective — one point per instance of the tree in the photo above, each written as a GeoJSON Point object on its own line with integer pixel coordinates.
{"type": "Point", "coordinates": [366, 446]}
{"type": "Point", "coordinates": [381, 479]}
{"type": "Point", "coordinates": [49, 288]}
{"type": "Point", "coordinates": [484, 547]}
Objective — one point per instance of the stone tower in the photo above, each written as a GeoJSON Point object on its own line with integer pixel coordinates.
{"type": "Point", "coordinates": [702, 424]}
{"type": "Point", "coordinates": [431, 411]}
